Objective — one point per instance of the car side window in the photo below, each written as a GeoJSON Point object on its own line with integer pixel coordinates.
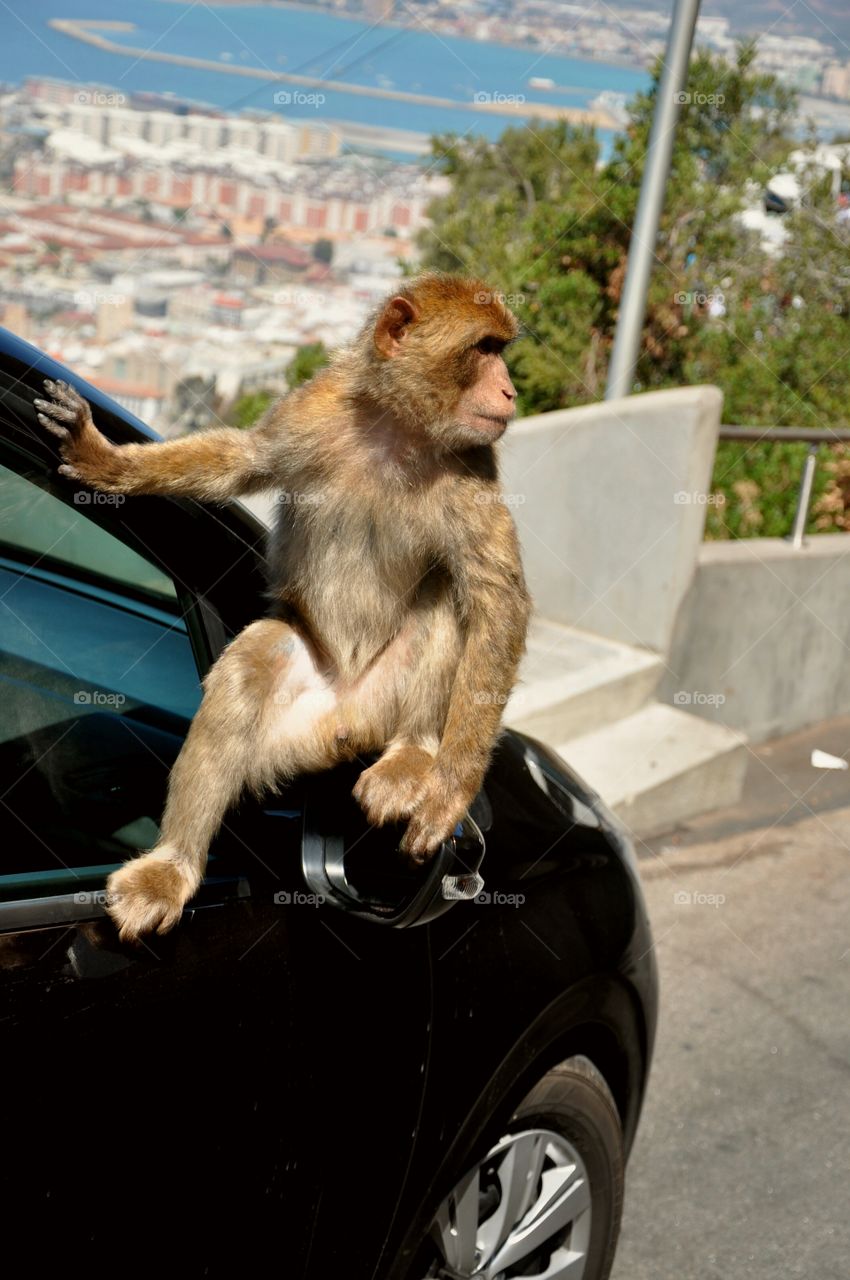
{"type": "Point", "coordinates": [98, 684]}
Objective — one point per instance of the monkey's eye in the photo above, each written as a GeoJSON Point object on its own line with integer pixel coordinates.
{"type": "Point", "coordinates": [490, 346]}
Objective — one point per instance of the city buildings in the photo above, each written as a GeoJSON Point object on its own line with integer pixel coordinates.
{"type": "Point", "coordinates": [178, 259]}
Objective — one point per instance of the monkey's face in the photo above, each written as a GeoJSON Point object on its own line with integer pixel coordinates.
{"type": "Point", "coordinates": [440, 348]}
{"type": "Point", "coordinates": [486, 399]}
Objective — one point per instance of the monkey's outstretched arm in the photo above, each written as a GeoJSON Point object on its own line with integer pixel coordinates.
{"type": "Point", "coordinates": [495, 607]}
{"type": "Point", "coordinates": [212, 465]}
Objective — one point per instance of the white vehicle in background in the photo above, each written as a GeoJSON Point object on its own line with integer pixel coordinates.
{"type": "Point", "coordinates": [787, 190]}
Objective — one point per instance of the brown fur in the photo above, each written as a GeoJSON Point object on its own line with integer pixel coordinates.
{"type": "Point", "coordinates": [399, 602]}
{"type": "Point", "coordinates": [388, 792]}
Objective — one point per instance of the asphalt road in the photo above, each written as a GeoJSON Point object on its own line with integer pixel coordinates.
{"type": "Point", "coordinates": [741, 1167]}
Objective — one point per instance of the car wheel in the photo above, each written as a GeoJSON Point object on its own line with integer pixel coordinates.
{"type": "Point", "coordinates": [546, 1199]}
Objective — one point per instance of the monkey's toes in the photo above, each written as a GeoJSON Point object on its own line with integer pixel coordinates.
{"type": "Point", "coordinates": [433, 821]}
{"type": "Point", "coordinates": [421, 841]}
{"type": "Point", "coordinates": [385, 796]}
{"type": "Point", "coordinates": [148, 893]}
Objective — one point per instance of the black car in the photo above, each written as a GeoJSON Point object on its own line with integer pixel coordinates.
{"type": "Point", "coordinates": [371, 1082]}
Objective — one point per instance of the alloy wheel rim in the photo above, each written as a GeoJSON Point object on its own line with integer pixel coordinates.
{"type": "Point", "coordinates": [525, 1210]}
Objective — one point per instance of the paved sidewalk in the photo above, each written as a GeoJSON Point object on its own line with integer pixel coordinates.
{"type": "Point", "coordinates": [741, 1168]}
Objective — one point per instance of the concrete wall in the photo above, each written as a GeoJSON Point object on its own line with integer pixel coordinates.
{"type": "Point", "coordinates": [609, 502]}
{"type": "Point", "coordinates": [762, 642]}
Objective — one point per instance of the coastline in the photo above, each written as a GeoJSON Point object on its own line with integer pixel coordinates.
{"type": "Point", "coordinates": [620, 64]}
{"type": "Point", "coordinates": [88, 31]}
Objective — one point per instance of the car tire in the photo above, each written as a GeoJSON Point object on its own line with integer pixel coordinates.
{"type": "Point", "coordinates": [571, 1114]}
{"type": "Point", "coordinates": [574, 1100]}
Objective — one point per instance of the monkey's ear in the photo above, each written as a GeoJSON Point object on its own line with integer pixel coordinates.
{"type": "Point", "coordinates": [392, 325]}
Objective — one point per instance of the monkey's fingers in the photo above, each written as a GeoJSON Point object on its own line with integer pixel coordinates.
{"type": "Point", "coordinates": [65, 412]}
{"type": "Point", "coordinates": [67, 396]}
{"type": "Point", "coordinates": [54, 428]}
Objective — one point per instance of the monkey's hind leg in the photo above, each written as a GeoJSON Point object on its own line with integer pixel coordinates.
{"type": "Point", "coordinates": [422, 668]}
{"type": "Point", "coordinates": [261, 717]}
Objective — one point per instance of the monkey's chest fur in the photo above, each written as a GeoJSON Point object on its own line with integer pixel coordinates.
{"type": "Point", "coordinates": [352, 566]}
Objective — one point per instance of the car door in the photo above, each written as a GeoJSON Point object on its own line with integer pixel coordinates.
{"type": "Point", "coordinates": [251, 1081]}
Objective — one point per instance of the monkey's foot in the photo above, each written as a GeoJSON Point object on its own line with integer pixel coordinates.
{"type": "Point", "coordinates": [149, 893]}
{"type": "Point", "coordinates": [388, 791]}
{"type": "Point", "coordinates": [436, 814]}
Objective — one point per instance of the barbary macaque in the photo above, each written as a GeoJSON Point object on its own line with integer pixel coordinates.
{"type": "Point", "coordinates": [399, 607]}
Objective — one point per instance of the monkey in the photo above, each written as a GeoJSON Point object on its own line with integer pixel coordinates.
{"type": "Point", "coordinates": [398, 606]}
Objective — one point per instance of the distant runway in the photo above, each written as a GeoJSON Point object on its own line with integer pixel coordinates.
{"type": "Point", "coordinates": [89, 31]}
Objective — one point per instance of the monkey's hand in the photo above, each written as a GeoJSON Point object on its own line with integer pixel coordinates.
{"type": "Point", "coordinates": [149, 893]}
{"type": "Point", "coordinates": [87, 454]}
{"type": "Point", "coordinates": [442, 803]}
{"type": "Point", "coordinates": [389, 790]}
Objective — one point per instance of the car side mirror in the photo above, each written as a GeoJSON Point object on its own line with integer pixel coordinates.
{"type": "Point", "coordinates": [360, 869]}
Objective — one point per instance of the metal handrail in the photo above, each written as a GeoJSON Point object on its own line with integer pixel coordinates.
{"type": "Point", "coordinates": [813, 438]}
{"type": "Point", "coordinates": [786, 433]}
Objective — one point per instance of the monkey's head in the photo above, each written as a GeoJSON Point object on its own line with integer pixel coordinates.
{"type": "Point", "coordinates": [432, 359]}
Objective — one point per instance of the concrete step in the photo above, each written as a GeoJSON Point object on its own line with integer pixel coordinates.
{"type": "Point", "coordinates": [572, 682]}
{"type": "Point", "coordinates": [660, 766]}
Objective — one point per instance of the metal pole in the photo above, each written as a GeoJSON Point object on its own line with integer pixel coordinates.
{"type": "Point", "coordinates": [804, 499]}
{"type": "Point", "coordinates": [621, 371]}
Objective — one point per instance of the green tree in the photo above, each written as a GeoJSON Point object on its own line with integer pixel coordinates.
{"type": "Point", "coordinates": [540, 218]}
{"type": "Point", "coordinates": [306, 361]}
{"type": "Point", "coordinates": [536, 214]}
{"type": "Point", "coordinates": [250, 407]}
{"type": "Point", "coordinates": [779, 357]}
